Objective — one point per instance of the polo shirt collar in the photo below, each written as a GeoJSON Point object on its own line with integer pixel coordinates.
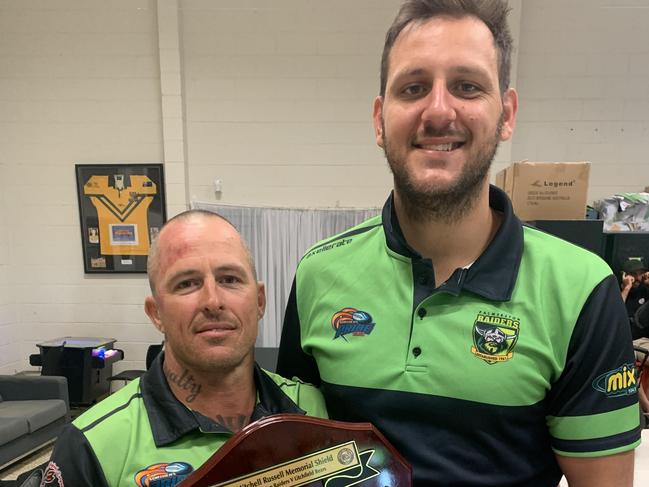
{"type": "Point", "coordinates": [171, 420]}
{"type": "Point", "coordinates": [493, 274]}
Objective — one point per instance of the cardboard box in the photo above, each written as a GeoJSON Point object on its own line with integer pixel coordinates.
{"type": "Point", "coordinates": [546, 190]}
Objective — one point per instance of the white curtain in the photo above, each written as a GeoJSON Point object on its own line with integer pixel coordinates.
{"type": "Point", "coordinates": [278, 237]}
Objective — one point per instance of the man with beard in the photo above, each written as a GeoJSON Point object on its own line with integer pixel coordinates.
{"type": "Point", "coordinates": [635, 292]}
{"type": "Point", "coordinates": [204, 387]}
{"type": "Point", "coordinates": [489, 353]}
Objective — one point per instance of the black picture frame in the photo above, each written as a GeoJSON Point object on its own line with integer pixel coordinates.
{"type": "Point", "coordinates": [121, 207]}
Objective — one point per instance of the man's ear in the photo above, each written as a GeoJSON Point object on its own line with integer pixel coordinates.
{"type": "Point", "coordinates": [152, 311]}
{"type": "Point", "coordinates": [510, 109]}
{"type": "Point", "coordinates": [261, 299]}
{"type": "Point", "coordinates": [377, 118]}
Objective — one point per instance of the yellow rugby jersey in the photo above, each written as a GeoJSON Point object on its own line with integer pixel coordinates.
{"type": "Point", "coordinates": [122, 212]}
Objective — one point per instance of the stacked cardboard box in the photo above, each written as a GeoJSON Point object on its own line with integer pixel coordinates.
{"type": "Point", "coordinates": [546, 190]}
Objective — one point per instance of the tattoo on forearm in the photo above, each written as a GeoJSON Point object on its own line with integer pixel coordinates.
{"type": "Point", "coordinates": [233, 423]}
{"type": "Point", "coordinates": [185, 381]}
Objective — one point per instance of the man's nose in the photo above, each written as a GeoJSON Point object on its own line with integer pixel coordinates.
{"type": "Point", "coordinates": [439, 111]}
{"type": "Point", "coordinates": [211, 300]}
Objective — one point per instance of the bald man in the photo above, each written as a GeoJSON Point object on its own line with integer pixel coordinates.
{"type": "Point", "coordinates": [205, 386]}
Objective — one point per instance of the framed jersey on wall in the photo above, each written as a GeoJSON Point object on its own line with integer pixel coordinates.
{"type": "Point", "coordinates": [122, 207]}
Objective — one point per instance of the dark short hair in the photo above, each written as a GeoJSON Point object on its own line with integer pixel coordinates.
{"type": "Point", "coordinates": [153, 257]}
{"type": "Point", "coordinates": [492, 12]}
{"type": "Point", "coordinates": [634, 264]}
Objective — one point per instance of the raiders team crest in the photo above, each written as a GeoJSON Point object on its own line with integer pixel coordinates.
{"type": "Point", "coordinates": [494, 337]}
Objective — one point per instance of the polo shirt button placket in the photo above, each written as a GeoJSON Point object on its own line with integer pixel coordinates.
{"type": "Point", "coordinates": [416, 351]}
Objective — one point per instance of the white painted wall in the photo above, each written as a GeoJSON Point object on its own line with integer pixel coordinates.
{"type": "Point", "coordinates": [582, 76]}
{"type": "Point", "coordinates": [272, 97]}
{"type": "Point", "coordinates": [279, 99]}
{"type": "Point", "coordinates": [79, 83]}
{"type": "Point", "coordinates": [8, 336]}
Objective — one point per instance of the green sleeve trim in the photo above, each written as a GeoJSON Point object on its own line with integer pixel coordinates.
{"type": "Point", "coordinates": [602, 453]}
{"type": "Point", "coordinates": [595, 425]}
{"type": "Point", "coordinates": [312, 401]}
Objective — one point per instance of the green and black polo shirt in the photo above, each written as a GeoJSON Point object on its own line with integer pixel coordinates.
{"type": "Point", "coordinates": [524, 354]}
{"type": "Point", "coordinates": [143, 436]}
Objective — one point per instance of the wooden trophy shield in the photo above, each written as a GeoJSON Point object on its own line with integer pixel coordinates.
{"type": "Point", "coordinates": [288, 450]}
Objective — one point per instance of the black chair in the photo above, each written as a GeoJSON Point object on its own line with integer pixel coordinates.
{"type": "Point", "coordinates": [128, 375]}
{"type": "Point", "coordinates": [641, 315]}
{"type": "Point", "coordinates": [640, 322]}
{"type": "Point", "coordinates": [266, 357]}
{"type": "Point", "coordinates": [32, 480]}
{"type": "Point", "coordinates": [50, 360]}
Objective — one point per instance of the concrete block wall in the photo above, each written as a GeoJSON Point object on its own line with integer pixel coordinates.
{"type": "Point", "coordinates": [273, 98]}
{"type": "Point", "coordinates": [279, 100]}
{"type": "Point", "coordinates": [8, 327]}
{"type": "Point", "coordinates": [583, 67]}
{"type": "Point", "coordinates": [79, 83]}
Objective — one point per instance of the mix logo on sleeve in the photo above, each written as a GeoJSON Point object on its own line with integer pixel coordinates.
{"type": "Point", "coordinates": [351, 321]}
{"type": "Point", "coordinates": [618, 382]}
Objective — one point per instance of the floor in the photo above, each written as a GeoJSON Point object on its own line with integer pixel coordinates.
{"type": "Point", "coordinates": [26, 464]}
{"type": "Point", "coordinates": [34, 459]}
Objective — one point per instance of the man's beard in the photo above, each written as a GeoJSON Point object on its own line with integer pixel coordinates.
{"type": "Point", "coordinates": [446, 204]}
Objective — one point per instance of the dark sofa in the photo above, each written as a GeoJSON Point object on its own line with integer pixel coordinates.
{"type": "Point", "coordinates": [33, 410]}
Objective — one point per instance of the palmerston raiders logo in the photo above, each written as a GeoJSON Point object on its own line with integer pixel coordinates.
{"type": "Point", "coordinates": [494, 336]}
{"type": "Point", "coordinates": [351, 320]}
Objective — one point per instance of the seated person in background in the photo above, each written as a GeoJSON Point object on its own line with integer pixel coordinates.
{"type": "Point", "coordinates": [641, 351]}
{"type": "Point", "coordinates": [635, 291]}
{"type": "Point", "coordinates": [204, 387]}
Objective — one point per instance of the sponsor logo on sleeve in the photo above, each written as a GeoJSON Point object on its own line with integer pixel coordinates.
{"type": "Point", "coordinates": [52, 476]}
{"type": "Point", "coordinates": [326, 247]}
{"type": "Point", "coordinates": [618, 382]}
{"type": "Point", "coordinates": [351, 321]}
{"type": "Point", "coordinates": [163, 474]}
